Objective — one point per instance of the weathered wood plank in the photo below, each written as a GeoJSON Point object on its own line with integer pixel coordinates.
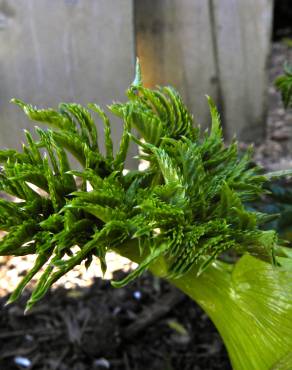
{"type": "Point", "coordinates": [242, 31]}
{"type": "Point", "coordinates": [65, 50]}
{"type": "Point", "coordinates": [175, 45]}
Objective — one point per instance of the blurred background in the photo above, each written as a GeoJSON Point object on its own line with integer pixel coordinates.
{"type": "Point", "coordinates": [84, 51]}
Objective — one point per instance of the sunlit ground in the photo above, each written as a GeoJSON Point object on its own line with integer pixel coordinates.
{"type": "Point", "coordinates": [12, 269]}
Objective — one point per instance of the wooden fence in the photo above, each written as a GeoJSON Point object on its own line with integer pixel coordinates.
{"type": "Point", "coordinates": [63, 50]}
{"type": "Point", "coordinates": [84, 50]}
{"type": "Point", "coordinates": [214, 47]}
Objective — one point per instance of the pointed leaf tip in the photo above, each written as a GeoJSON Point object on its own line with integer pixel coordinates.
{"type": "Point", "coordinates": [278, 174]}
{"type": "Point", "coordinates": [8, 302]}
{"type": "Point", "coordinates": [29, 306]}
{"type": "Point", "coordinates": [210, 101]}
{"type": "Point", "coordinates": [18, 102]}
{"type": "Point", "coordinates": [27, 309]}
{"type": "Point", "coordinates": [138, 76]}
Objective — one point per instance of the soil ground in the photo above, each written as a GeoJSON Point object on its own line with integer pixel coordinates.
{"type": "Point", "coordinates": [85, 324]}
{"type": "Point", "coordinates": [148, 325]}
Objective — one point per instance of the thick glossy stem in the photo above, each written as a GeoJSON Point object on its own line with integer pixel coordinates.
{"type": "Point", "coordinates": [250, 303]}
{"type": "Point", "coordinates": [213, 292]}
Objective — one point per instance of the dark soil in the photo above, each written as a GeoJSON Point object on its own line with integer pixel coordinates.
{"type": "Point", "coordinates": [148, 325]}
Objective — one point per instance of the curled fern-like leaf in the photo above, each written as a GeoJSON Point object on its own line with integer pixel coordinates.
{"type": "Point", "coordinates": [187, 207]}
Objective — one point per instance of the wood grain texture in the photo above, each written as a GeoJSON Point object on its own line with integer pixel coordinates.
{"type": "Point", "coordinates": [65, 50]}
{"type": "Point", "coordinates": [83, 50]}
{"type": "Point", "coordinates": [243, 31]}
{"type": "Point", "coordinates": [215, 47]}
{"type": "Point", "coordinates": [175, 45]}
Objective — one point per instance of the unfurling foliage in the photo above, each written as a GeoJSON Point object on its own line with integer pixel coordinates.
{"type": "Point", "coordinates": [187, 206]}
{"type": "Point", "coordinates": [284, 85]}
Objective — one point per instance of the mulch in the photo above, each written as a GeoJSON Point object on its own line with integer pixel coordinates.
{"type": "Point", "coordinates": [148, 325]}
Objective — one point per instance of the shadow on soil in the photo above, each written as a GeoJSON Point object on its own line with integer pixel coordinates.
{"type": "Point", "coordinates": [148, 325]}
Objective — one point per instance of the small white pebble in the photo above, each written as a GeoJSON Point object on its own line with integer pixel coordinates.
{"type": "Point", "coordinates": [116, 310]}
{"type": "Point", "coordinates": [22, 361]}
{"type": "Point", "coordinates": [29, 338]}
{"type": "Point", "coordinates": [102, 362]}
{"type": "Point", "coordinates": [137, 295]}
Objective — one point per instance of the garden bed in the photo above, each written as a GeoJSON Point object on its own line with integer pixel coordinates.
{"type": "Point", "coordinates": [147, 325]}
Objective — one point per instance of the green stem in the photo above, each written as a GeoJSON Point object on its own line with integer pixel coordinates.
{"type": "Point", "coordinates": [250, 303]}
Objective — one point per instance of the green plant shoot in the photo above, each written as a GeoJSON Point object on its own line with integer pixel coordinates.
{"type": "Point", "coordinates": [182, 218]}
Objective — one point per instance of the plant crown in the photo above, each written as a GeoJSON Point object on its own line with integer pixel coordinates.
{"type": "Point", "coordinates": [187, 206]}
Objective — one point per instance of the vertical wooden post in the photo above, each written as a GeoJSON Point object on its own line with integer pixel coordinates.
{"type": "Point", "coordinates": [175, 45]}
{"type": "Point", "coordinates": [65, 50]}
{"type": "Point", "coordinates": [218, 47]}
{"type": "Point", "coordinates": [82, 50]}
{"type": "Point", "coordinates": [243, 31]}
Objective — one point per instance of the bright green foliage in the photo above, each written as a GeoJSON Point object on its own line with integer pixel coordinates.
{"type": "Point", "coordinates": [187, 206]}
{"type": "Point", "coordinates": [180, 217]}
{"type": "Point", "coordinates": [284, 85]}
